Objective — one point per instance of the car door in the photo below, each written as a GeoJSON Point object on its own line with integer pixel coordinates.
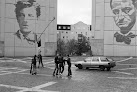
{"type": "Point", "coordinates": [95, 62]}
{"type": "Point", "coordinates": [87, 62]}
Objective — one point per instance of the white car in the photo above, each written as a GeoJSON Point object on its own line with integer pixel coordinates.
{"type": "Point", "coordinates": [96, 62]}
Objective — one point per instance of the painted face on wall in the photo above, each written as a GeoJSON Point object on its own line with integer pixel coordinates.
{"type": "Point", "coordinates": [27, 19]}
{"type": "Point", "coordinates": [125, 14]}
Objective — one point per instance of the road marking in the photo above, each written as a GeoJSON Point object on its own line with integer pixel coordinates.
{"type": "Point", "coordinates": [123, 77]}
{"type": "Point", "coordinates": [13, 72]}
{"type": "Point", "coordinates": [123, 73]}
{"type": "Point", "coordinates": [48, 62]}
{"type": "Point", "coordinates": [5, 70]}
{"type": "Point", "coordinates": [127, 69]}
{"type": "Point", "coordinates": [36, 88]}
{"type": "Point", "coordinates": [44, 85]}
{"type": "Point", "coordinates": [10, 86]}
{"type": "Point", "coordinates": [125, 59]}
{"type": "Point", "coordinates": [127, 64]}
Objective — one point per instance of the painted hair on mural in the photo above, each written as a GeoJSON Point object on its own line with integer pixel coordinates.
{"type": "Point", "coordinates": [133, 1]}
{"type": "Point", "coordinates": [24, 4]}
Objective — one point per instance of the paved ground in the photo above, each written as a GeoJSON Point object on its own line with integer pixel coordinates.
{"type": "Point", "coordinates": [15, 77]}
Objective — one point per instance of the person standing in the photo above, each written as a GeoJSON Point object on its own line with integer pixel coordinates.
{"type": "Point", "coordinates": [40, 60]}
{"type": "Point", "coordinates": [69, 66]}
{"type": "Point", "coordinates": [61, 64]}
{"type": "Point", "coordinates": [33, 66]}
{"type": "Point", "coordinates": [56, 60]}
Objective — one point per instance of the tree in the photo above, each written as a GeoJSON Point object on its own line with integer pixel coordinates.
{"type": "Point", "coordinates": [60, 47]}
{"type": "Point", "coordinates": [83, 45]}
{"type": "Point", "coordinates": [71, 46]}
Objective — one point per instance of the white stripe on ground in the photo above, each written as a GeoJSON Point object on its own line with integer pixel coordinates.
{"type": "Point", "coordinates": [127, 64]}
{"type": "Point", "coordinates": [123, 77]}
{"type": "Point", "coordinates": [44, 85]}
{"type": "Point", "coordinates": [125, 59]}
{"type": "Point", "coordinates": [12, 72]}
{"type": "Point", "coordinates": [123, 73]}
{"type": "Point", "coordinates": [35, 89]}
{"type": "Point", "coordinates": [38, 88]}
{"type": "Point", "coordinates": [127, 69]}
{"type": "Point", "coordinates": [48, 62]}
{"type": "Point", "coordinates": [10, 86]}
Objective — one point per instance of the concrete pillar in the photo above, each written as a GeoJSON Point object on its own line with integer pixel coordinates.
{"type": "Point", "coordinates": [2, 22]}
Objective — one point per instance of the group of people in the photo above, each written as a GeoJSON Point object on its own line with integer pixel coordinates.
{"type": "Point", "coordinates": [34, 62]}
{"type": "Point", "coordinates": [60, 63]}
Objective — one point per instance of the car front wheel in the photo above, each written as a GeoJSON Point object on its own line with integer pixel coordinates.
{"type": "Point", "coordinates": [102, 68]}
{"type": "Point", "coordinates": [80, 66]}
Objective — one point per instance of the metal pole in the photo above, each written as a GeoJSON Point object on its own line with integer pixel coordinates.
{"type": "Point", "coordinates": [46, 28]}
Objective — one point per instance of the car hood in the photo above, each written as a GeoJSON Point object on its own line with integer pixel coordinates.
{"type": "Point", "coordinates": [78, 62]}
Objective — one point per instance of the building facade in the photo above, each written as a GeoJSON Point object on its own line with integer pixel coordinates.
{"type": "Point", "coordinates": [67, 32]}
{"type": "Point", "coordinates": [114, 27]}
{"type": "Point", "coordinates": [80, 28]}
{"type": "Point", "coordinates": [63, 32]}
{"type": "Point", "coordinates": [24, 21]}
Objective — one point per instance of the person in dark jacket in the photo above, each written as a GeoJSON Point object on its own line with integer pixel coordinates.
{"type": "Point", "coordinates": [33, 66]}
{"type": "Point", "coordinates": [69, 65]}
{"type": "Point", "coordinates": [56, 65]}
{"type": "Point", "coordinates": [61, 64]}
{"type": "Point", "coordinates": [40, 60]}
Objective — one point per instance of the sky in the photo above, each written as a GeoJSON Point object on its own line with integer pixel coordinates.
{"type": "Point", "coordinates": [72, 11]}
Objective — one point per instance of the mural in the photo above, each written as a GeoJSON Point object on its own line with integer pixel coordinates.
{"type": "Point", "coordinates": [23, 22]}
{"type": "Point", "coordinates": [27, 13]}
{"type": "Point", "coordinates": [125, 19]}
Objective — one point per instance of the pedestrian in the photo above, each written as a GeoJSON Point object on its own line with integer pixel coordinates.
{"type": "Point", "coordinates": [61, 64]}
{"type": "Point", "coordinates": [33, 66]}
{"type": "Point", "coordinates": [40, 60]}
{"type": "Point", "coordinates": [56, 65]}
{"type": "Point", "coordinates": [69, 66]}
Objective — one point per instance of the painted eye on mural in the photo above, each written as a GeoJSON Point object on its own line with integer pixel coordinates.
{"type": "Point", "coordinates": [116, 11]}
{"type": "Point", "coordinates": [126, 10]}
{"type": "Point", "coordinates": [30, 15]}
{"type": "Point", "coordinates": [22, 14]}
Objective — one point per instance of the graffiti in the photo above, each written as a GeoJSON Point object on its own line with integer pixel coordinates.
{"type": "Point", "coordinates": [125, 19]}
{"type": "Point", "coordinates": [27, 13]}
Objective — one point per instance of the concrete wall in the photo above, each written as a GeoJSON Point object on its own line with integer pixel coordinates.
{"type": "Point", "coordinates": [105, 27]}
{"type": "Point", "coordinates": [13, 46]}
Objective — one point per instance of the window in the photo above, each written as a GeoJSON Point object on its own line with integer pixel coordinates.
{"type": "Point", "coordinates": [64, 27]}
{"type": "Point", "coordinates": [68, 27]}
{"type": "Point", "coordinates": [88, 38]}
{"type": "Point", "coordinates": [95, 59]}
{"type": "Point", "coordinates": [59, 27]}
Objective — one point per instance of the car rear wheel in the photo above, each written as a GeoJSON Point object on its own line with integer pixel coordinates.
{"type": "Point", "coordinates": [80, 66]}
{"type": "Point", "coordinates": [102, 68]}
